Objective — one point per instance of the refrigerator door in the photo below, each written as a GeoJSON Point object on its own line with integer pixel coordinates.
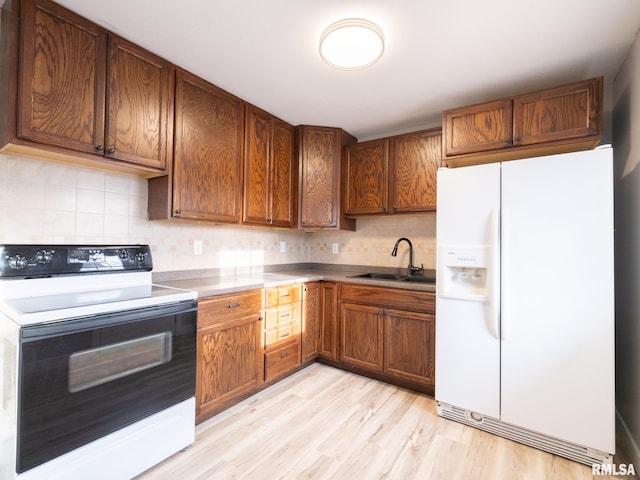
{"type": "Point", "coordinates": [557, 297]}
{"type": "Point", "coordinates": [467, 332]}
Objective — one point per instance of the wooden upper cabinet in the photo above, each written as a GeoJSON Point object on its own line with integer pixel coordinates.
{"type": "Point", "coordinates": [366, 170]}
{"type": "Point", "coordinates": [270, 196]}
{"type": "Point", "coordinates": [393, 174]}
{"type": "Point", "coordinates": [140, 100]}
{"type": "Point", "coordinates": [478, 128]}
{"type": "Point", "coordinates": [207, 173]}
{"type": "Point", "coordinates": [84, 90]}
{"type": "Point", "coordinates": [415, 159]}
{"type": "Point", "coordinates": [556, 120]}
{"type": "Point", "coordinates": [319, 150]}
{"type": "Point", "coordinates": [570, 111]}
{"type": "Point", "coordinates": [62, 78]}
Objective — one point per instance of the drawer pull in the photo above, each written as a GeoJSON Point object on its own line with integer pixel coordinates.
{"type": "Point", "coordinates": [284, 355]}
{"type": "Point", "coordinates": [285, 294]}
{"type": "Point", "coordinates": [232, 305]}
{"type": "Point", "coordinates": [285, 315]}
{"type": "Point", "coordinates": [284, 335]}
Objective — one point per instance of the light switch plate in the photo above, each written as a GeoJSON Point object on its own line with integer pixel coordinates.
{"type": "Point", "coordinates": [283, 247]}
{"type": "Point", "coordinates": [197, 247]}
{"type": "Point", "coordinates": [336, 248]}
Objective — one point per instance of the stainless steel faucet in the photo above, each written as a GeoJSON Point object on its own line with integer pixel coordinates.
{"type": "Point", "coordinates": [411, 270]}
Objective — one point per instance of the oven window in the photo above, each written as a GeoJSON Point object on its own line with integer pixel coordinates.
{"type": "Point", "coordinates": [100, 365]}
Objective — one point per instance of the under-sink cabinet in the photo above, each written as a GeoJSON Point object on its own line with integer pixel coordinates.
{"type": "Point", "coordinates": [389, 332]}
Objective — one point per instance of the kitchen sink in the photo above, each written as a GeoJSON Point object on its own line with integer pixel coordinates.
{"type": "Point", "coordinates": [418, 279]}
{"type": "Point", "coordinates": [395, 277]}
{"type": "Point", "coordinates": [380, 276]}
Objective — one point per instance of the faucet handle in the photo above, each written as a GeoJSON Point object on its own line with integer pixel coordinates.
{"type": "Point", "coordinates": [414, 270]}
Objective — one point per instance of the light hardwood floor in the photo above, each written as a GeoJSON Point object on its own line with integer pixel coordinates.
{"type": "Point", "coordinates": [324, 423]}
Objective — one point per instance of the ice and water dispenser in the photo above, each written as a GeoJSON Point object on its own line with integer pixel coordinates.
{"type": "Point", "coordinates": [462, 272]}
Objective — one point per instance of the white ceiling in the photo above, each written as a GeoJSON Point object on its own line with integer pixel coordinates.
{"type": "Point", "coordinates": [439, 53]}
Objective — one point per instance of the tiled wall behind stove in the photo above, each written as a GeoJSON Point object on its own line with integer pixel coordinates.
{"type": "Point", "coordinates": [47, 202]}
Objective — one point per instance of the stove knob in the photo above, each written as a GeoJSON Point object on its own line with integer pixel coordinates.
{"type": "Point", "coordinates": [123, 254]}
{"type": "Point", "coordinates": [44, 257]}
{"type": "Point", "coordinates": [140, 258]}
{"type": "Point", "coordinates": [17, 262]}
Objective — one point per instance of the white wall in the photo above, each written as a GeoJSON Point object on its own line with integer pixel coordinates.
{"type": "Point", "coordinates": [46, 202]}
{"type": "Point", "coordinates": [626, 142]}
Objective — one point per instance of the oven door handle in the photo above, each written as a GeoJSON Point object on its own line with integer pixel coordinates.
{"type": "Point", "coordinates": [39, 331]}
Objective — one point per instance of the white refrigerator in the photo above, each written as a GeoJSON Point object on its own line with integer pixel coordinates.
{"type": "Point", "coordinates": [525, 301]}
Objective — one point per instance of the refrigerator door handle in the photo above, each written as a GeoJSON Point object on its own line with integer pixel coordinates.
{"type": "Point", "coordinates": [494, 295]}
{"type": "Point", "coordinates": [505, 330]}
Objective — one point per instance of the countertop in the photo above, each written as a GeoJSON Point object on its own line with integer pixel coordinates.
{"type": "Point", "coordinates": [219, 281]}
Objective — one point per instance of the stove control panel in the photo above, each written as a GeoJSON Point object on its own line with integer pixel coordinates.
{"type": "Point", "coordinates": [48, 260]}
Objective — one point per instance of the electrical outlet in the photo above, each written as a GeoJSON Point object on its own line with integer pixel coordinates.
{"type": "Point", "coordinates": [283, 247]}
{"type": "Point", "coordinates": [336, 248]}
{"type": "Point", "coordinates": [197, 247]}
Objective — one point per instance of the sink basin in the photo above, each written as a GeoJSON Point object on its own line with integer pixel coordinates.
{"type": "Point", "coordinates": [418, 279]}
{"type": "Point", "coordinates": [380, 276]}
{"type": "Point", "coordinates": [395, 277]}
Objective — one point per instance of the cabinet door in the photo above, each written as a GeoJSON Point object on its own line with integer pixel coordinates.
{"type": "Point", "coordinates": [320, 177]}
{"type": "Point", "coordinates": [62, 83]}
{"type": "Point", "coordinates": [139, 105]}
{"type": "Point", "coordinates": [310, 320]}
{"type": "Point", "coordinates": [366, 172]}
{"type": "Point", "coordinates": [328, 346]}
{"type": "Point", "coordinates": [415, 159]}
{"type": "Point", "coordinates": [409, 346]}
{"type": "Point", "coordinates": [256, 167]}
{"type": "Point", "coordinates": [566, 112]}
{"type": "Point", "coordinates": [478, 128]}
{"type": "Point", "coordinates": [229, 361]}
{"type": "Point", "coordinates": [283, 194]}
{"type": "Point", "coordinates": [361, 336]}
{"type": "Point", "coordinates": [207, 182]}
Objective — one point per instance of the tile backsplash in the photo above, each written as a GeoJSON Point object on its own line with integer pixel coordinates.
{"type": "Point", "coordinates": [48, 202]}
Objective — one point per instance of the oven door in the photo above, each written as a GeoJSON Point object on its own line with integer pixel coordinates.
{"type": "Point", "coordinates": [82, 379]}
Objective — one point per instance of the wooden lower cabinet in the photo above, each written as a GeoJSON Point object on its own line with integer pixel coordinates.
{"type": "Point", "coordinates": [310, 321]}
{"type": "Point", "coordinates": [361, 336]}
{"type": "Point", "coordinates": [282, 329]}
{"type": "Point", "coordinates": [328, 317]}
{"type": "Point", "coordinates": [390, 332]}
{"type": "Point", "coordinates": [409, 345]}
{"type": "Point", "coordinates": [229, 350]}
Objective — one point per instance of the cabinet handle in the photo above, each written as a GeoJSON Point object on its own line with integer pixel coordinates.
{"type": "Point", "coordinates": [285, 335]}
{"type": "Point", "coordinates": [285, 295]}
{"type": "Point", "coordinates": [178, 212]}
{"type": "Point", "coordinates": [284, 355]}
{"type": "Point", "coordinates": [395, 208]}
{"type": "Point", "coordinates": [111, 150]}
{"type": "Point", "coordinates": [260, 318]}
{"type": "Point", "coordinates": [232, 305]}
{"type": "Point", "coordinates": [516, 140]}
{"type": "Point", "coordinates": [508, 141]}
{"type": "Point", "coordinates": [384, 209]}
{"type": "Point", "coordinates": [99, 147]}
{"type": "Point", "coordinates": [285, 315]}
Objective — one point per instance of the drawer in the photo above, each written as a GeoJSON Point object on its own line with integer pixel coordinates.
{"type": "Point", "coordinates": [276, 317]}
{"type": "Point", "coordinates": [282, 333]}
{"type": "Point", "coordinates": [286, 295]}
{"type": "Point", "coordinates": [224, 308]}
{"type": "Point", "coordinates": [281, 360]}
{"type": "Point", "coordinates": [412, 300]}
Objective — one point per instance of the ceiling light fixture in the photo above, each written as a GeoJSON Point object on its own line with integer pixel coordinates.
{"type": "Point", "coordinates": [352, 44]}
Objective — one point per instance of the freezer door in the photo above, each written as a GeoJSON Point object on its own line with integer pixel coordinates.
{"type": "Point", "coordinates": [467, 335]}
{"type": "Point", "coordinates": [558, 298]}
